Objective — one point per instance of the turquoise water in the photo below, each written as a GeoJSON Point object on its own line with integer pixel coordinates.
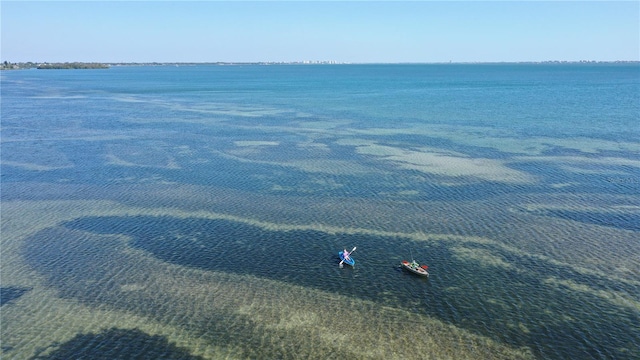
{"type": "Point", "coordinates": [195, 211]}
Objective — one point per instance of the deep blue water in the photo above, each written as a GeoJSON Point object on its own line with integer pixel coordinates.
{"type": "Point", "coordinates": [544, 158]}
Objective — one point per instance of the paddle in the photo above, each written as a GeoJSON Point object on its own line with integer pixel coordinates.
{"type": "Point", "coordinates": [354, 249]}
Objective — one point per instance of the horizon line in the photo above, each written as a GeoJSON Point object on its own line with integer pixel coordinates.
{"type": "Point", "coordinates": [325, 62]}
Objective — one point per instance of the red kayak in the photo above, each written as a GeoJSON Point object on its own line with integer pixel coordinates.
{"type": "Point", "coordinates": [415, 268]}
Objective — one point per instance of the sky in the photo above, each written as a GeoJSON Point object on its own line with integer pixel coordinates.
{"type": "Point", "coordinates": [342, 31]}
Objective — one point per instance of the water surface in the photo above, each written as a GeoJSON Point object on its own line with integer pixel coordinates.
{"type": "Point", "coordinates": [197, 211]}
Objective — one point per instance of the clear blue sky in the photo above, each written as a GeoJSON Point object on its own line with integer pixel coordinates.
{"type": "Point", "coordinates": [355, 31]}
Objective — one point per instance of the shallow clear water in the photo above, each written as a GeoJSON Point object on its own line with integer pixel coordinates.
{"type": "Point", "coordinates": [197, 211]}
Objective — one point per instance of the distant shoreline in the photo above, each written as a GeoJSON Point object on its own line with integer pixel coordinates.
{"type": "Point", "coordinates": [94, 65]}
{"type": "Point", "coordinates": [73, 65]}
{"type": "Point", "coordinates": [66, 65]}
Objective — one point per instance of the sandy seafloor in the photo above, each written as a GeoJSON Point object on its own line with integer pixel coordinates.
{"type": "Point", "coordinates": [162, 242]}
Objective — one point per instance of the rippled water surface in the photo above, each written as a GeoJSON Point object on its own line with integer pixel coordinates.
{"type": "Point", "coordinates": [197, 212]}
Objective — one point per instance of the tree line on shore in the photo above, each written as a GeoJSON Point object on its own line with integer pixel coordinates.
{"type": "Point", "coordinates": [67, 65]}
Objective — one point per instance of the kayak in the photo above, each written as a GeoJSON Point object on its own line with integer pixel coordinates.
{"type": "Point", "coordinates": [415, 268]}
{"type": "Point", "coordinates": [351, 261]}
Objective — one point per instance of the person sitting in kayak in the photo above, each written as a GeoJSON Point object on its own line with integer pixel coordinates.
{"type": "Point", "coordinates": [345, 254]}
